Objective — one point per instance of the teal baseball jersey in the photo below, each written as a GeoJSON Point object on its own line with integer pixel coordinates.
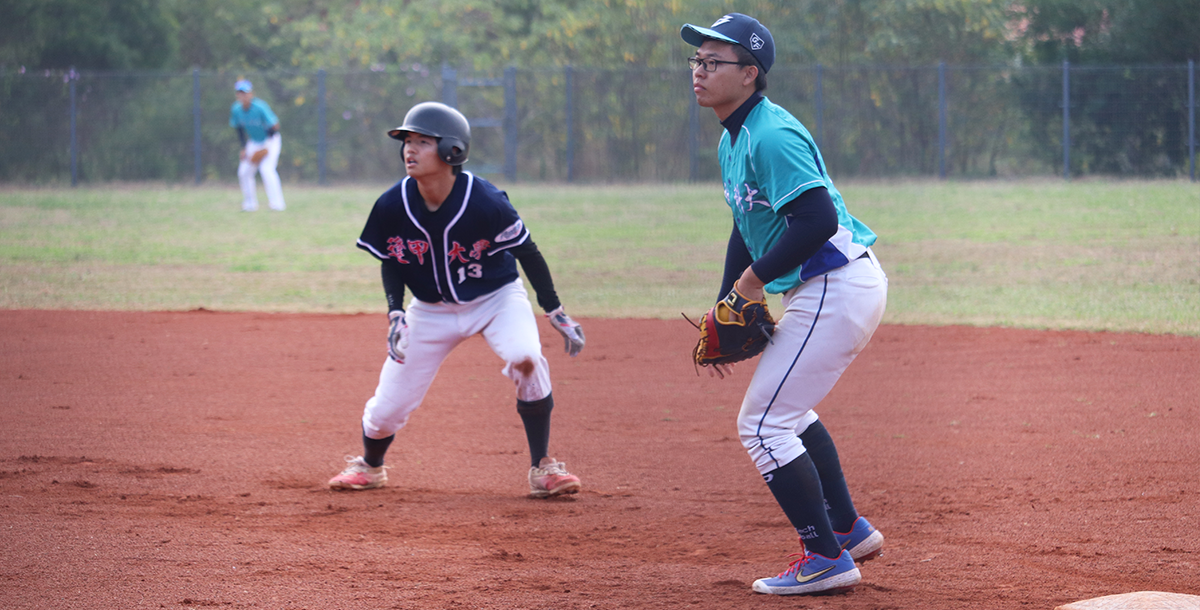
{"type": "Point", "coordinates": [774, 160]}
{"type": "Point", "coordinates": [255, 121]}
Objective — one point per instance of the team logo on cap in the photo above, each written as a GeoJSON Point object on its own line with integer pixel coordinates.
{"type": "Point", "coordinates": [725, 19]}
{"type": "Point", "coordinates": [756, 43]}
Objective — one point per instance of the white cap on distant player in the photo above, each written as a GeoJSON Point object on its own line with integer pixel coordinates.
{"type": "Point", "coordinates": [243, 85]}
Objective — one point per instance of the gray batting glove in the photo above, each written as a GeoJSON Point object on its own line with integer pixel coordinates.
{"type": "Point", "coordinates": [397, 335]}
{"type": "Point", "coordinates": [571, 331]}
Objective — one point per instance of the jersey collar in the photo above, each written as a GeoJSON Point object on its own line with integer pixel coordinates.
{"type": "Point", "coordinates": [453, 200]}
{"type": "Point", "coordinates": [733, 122]}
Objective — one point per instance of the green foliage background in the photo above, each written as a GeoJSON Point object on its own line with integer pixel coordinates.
{"type": "Point", "coordinates": [383, 55]}
{"type": "Point", "coordinates": [485, 35]}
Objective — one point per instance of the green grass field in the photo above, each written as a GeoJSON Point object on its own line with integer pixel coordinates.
{"type": "Point", "coordinates": [1096, 255]}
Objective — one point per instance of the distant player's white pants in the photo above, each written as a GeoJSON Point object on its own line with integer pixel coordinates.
{"type": "Point", "coordinates": [270, 176]}
{"type": "Point", "coordinates": [504, 317]}
{"type": "Point", "coordinates": [826, 322]}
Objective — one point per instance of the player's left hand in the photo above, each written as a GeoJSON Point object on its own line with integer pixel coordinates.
{"type": "Point", "coordinates": [571, 331]}
{"type": "Point", "coordinates": [735, 329]}
{"type": "Point", "coordinates": [750, 286]}
{"type": "Point", "coordinates": [397, 335]}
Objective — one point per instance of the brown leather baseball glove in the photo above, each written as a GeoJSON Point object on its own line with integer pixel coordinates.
{"type": "Point", "coordinates": [735, 329]}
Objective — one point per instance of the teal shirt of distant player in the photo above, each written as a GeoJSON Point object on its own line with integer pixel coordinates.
{"type": "Point", "coordinates": [770, 163]}
{"type": "Point", "coordinates": [255, 121]}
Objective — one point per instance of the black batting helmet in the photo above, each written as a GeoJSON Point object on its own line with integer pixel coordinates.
{"type": "Point", "coordinates": [446, 124]}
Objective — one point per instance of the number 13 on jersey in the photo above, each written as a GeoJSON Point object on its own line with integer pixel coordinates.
{"type": "Point", "coordinates": [473, 270]}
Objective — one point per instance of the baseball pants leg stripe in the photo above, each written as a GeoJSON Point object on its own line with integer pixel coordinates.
{"type": "Point", "coordinates": [778, 388]}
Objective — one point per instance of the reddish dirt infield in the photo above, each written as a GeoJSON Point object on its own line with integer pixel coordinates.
{"type": "Point", "coordinates": [179, 460]}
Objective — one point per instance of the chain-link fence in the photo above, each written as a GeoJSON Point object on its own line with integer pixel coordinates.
{"type": "Point", "coordinates": [578, 125]}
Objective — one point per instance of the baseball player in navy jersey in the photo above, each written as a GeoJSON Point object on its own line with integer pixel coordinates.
{"type": "Point", "coordinates": [793, 236]}
{"type": "Point", "coordinates": [454, 239]}
{"type": "Point", "coordinates": [258, 130]}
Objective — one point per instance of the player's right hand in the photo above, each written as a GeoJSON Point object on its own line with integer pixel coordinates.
{"type": "Point", "coordinates": [397, 335]}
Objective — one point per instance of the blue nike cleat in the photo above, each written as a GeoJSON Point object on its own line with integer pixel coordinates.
{"type": "Point", "coordinates": [863, 541]}
{"type": "Point", "coordinates": [813, 574]}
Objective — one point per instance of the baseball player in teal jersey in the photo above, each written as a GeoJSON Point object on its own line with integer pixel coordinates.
{"type": "Point", "coordinates": [793, 236]}
{"type": "Point", "coordinates": [258, 130]}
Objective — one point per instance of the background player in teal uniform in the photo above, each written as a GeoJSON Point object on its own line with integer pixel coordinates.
{"type": "Point", "coordinates": [792, 235]}
{"type": "Point", "coordinates": [258, 130]}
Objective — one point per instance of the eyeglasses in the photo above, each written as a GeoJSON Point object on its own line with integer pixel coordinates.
{"type": "Point", "coordinates": [710, 65]}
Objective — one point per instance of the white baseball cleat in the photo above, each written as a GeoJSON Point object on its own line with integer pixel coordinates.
{"type": "Point", "coordinates": [550, 478]}
{"type": "Point", "coordinates": [359, 475]}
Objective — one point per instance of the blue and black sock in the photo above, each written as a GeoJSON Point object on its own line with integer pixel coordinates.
{"type": "Point", "coordinates": [797, 488]}
{"type": "Point", "coordinates": [536, 417]}
{"type": "Point", "coordinates": [819, 446]}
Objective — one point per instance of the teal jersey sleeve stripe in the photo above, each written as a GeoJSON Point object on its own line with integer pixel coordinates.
{"type": "Point", "coordinates": [794, 193]}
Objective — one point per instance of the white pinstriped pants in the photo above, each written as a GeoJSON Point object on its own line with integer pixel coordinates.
{"type": "Point", "coordinates": [826, 322]}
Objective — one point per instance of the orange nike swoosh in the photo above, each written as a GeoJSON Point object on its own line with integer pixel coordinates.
{"type": "Point", "coordinates": [816, 575]}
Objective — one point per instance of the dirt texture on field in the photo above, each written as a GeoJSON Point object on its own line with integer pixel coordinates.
{"type": "Point", "coordinates": [180, 460]}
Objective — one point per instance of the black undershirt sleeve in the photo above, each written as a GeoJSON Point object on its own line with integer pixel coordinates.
{"type": "Point", "coordinates": [813, 222]}
{"type": "Point", "coordinates": [272, 130]}
{"type": "Point", "coordinates": [393, 285]}
{"type": "Point", "coordinates": [242, 136]}
{"type": "Point", "coordinates": [538, 274]}
{"type": "Point", "coordinates": [737, 258]}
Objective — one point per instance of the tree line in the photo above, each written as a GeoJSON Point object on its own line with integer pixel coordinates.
{"type": "Point", "coordinates": [487, 35]}
{"type": "Point", "coordinates": [863, 73]}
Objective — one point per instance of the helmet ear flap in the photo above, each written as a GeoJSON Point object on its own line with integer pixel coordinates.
{"type": "Point", "coordinates": [452, 150]}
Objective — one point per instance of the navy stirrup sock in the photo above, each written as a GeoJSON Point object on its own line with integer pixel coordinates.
{"type": "Point", "coordinates": [797, 488]}
{"type": "Point", "coordinates": [820, 448]}
{"type": "Point", "coordinates": [374, 449]}
{"type": "Point", "coordinates": [536, 417]}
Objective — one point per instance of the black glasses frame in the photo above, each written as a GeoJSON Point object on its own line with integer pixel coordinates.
{"type": "Point", "coordinates": [710, 65]}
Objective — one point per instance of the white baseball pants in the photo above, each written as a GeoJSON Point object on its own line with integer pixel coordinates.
{"type": "Point", "coordinates": [826, 322]}
{"type": "Point", "coordinates": [270, 175]}
{"type": "Point", "coordinates": [506, 321]}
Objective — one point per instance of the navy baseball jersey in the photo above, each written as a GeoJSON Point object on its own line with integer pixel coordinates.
{"type": "Point", "coordinates": [454, 254]}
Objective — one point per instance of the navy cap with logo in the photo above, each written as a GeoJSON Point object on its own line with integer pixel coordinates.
{"type": "Point", "coordinates": [739, 29]}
